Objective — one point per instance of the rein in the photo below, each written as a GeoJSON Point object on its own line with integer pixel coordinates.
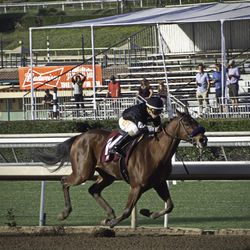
{"type": "Point", "coordinates": [189, 137]}
{"type": "Point", "coordinates": [176, 137]}
{"type": "Point", "coordinates": [196, 131]}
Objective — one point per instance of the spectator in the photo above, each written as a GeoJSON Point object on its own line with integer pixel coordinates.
{"type": "Point", "coordinates": [23, 61]}
{"type": "Point", "coordinates": [114, 88]}
{"type": "Point", "coordinates": [216, 80]}
{"type": "Point", "coordinates": [48, 102]}
{"type": "Point", "coordinates": [105, 61]}
{"type": "Point", "coordinates": [78, 81]}
{"type": "Point", "coordinates": [203, 85]}
{"type": "Point", "coordinates": [48, 99]}
{"type": "Point", "coordinates": [163, 93]}
{"type": "Point", "coordinates": [145, 91]}
{"type": "Point", "coordinates": [233, 76]}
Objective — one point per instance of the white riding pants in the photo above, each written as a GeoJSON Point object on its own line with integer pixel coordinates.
{"type": "Point", "coordinates": [128, 126]}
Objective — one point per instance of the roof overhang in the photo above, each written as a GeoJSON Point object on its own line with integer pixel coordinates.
{"type": "Point", "coordinates": [213, 12]}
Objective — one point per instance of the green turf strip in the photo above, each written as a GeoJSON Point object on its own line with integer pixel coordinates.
{"type": "Point", "coordinates": [202, 204]}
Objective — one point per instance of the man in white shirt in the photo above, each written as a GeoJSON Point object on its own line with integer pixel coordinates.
{"type": "Point", "coordinates": [203, 85]}
{"type": "Point", "coordinates": [233, 76]}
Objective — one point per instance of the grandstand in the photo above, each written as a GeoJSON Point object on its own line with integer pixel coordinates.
{"type": "Point", "coordinates": [181, 73]}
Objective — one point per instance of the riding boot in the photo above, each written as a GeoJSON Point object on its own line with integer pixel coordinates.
{"type": "Point", "coordinates": [121, 143]}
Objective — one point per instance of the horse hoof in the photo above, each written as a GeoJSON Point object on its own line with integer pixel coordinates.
{"type": "Point", "coordinates": [61, 216]}
{"type": "Point", "coordinates": [145, 212]}
{"type": "Point", "coordinates": [154, 215]}
{"type": "Point", "coordinates": [111, 223]}
{"type": "Point", "coordinates": [169, 208]}
{"type": "Point", "coordinates": [105, 222]}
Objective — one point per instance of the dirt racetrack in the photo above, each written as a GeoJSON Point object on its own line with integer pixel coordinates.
{"type": "Point", "coordinates": [59, 238]}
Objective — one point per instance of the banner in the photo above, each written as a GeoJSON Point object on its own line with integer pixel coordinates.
{"type": "Point", "coordinates": [46, 73]}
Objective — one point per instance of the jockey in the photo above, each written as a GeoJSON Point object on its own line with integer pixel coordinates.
{"type": "Point", "coordinates": [134, 121]}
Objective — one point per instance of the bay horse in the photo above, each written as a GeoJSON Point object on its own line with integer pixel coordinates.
{"type": "Point", "coordinates": [149, 165]}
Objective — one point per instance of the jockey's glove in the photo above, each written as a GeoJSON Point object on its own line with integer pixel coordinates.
{"type": "Point", "coordinates": [151, 129]}
{"type": "Point", "coordinates": [158, 129]}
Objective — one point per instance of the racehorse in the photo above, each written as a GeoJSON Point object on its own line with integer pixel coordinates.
{"type": "Point", "coordinates": [149, 165]}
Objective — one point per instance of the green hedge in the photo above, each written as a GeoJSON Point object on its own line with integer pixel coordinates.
{"type": "Point", "coordinates": [226, 124]}
{"type": "Point", "coordinates": [50, 16]}
{"type": "Point", "coordinates": [55, 126]}
{"type": "Point", "coordinates": [52, 126]}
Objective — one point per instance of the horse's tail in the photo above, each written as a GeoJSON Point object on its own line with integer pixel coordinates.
{"type": "Point", "coordinates": [62, 153]}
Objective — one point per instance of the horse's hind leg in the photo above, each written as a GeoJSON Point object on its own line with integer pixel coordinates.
{"type": "Point", "coordinates": [134, 195]}
{"type": "Point", "coordinates": [66, 183]}
{"type": "Point", "coordinates": [163, 192]}
{"type": "Point", "coordinates": [95, 190]}
{"type": "Point", "coordinates": [81, 173]}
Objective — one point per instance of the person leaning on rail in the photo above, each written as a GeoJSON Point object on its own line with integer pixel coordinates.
{"type": "Point", "coordinates": [114, 88]}
{"type": "Point", "coordinates": [203, 86]}
{"type": "Point", "coordinates": [78, 81]}
{"type": "Point", "coordinates": [135, 119]}
{"type": "Point", "coordinates": [145, 90]}
{"type": "Point", "coordinates": [233, 77]}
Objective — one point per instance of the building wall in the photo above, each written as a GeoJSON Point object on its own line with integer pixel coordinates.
{"type": "Point", "coordinates": [13, 104]}
{"type": "Point", "coordinates": [195, 37]}
{"type": "Point", "coordinates": [177, 38]}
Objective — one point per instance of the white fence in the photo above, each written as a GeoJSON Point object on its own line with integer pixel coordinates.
{"type": "Point", "coordinates": [197, 169]}
{"type": "Point", "coordinates": [84, 4]}
{"type": "Point", "coordinates": [108, 108]}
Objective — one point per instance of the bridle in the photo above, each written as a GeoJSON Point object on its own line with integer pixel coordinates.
{"type": "Point", "coordinates": [190, 136]}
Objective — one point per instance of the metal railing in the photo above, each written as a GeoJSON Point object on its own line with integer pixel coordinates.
{"type": "Point", "coordinates": [128, 51]}
{"type": "Point", "coordinates": [96, 4]}
{"type": "Point", "coordinates": [120, 5]}
{"type": "Point", "coordinates": [133, 49]}
{"type": "Point", "coordinates": [83, 5]}
{"type": "Point", "coordinates": [108, 108]}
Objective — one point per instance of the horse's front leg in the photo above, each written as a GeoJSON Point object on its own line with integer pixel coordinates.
{"type": "Point", "coordinates": [163, 191]}
{"type": "Point", "coordinates": [96, 189]}
{"type": "Point", "coordinates": [134, 195]}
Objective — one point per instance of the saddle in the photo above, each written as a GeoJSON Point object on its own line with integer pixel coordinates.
{"type": "Point", "coordinates": [106, 156]}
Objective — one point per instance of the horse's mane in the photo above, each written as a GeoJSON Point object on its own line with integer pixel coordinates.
{"type": "Point", "coordinates": [167, 121]}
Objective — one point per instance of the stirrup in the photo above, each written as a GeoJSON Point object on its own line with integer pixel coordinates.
{"type": "Point", "coordinates": [118, 151]}
{"type": "Point", "coordinates": [112, 151]}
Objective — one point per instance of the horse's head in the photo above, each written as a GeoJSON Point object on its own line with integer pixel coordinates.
{"type": "Point", "coordinates": [188, 129]}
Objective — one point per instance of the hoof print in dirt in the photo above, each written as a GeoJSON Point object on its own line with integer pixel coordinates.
{"type": "Point", "coordinates": [103, 232]}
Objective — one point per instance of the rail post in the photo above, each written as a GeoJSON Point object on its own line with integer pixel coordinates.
{"type": "Point", "coordinates": [55, 103]}
{"type": "Point", "coordinates": [42, 214]}
{"type": "Point", "coordinates": [134, 218]}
